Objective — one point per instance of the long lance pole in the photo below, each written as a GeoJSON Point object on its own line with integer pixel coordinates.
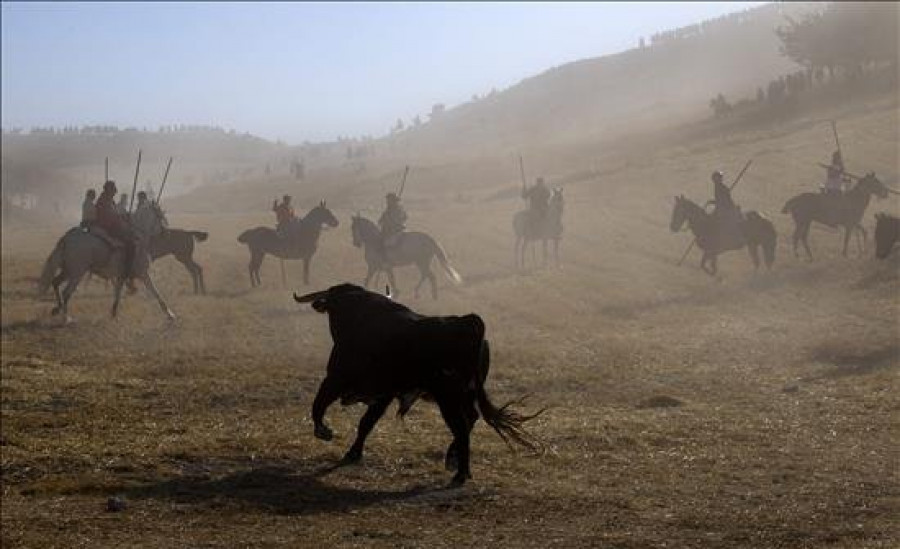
{"type": "Point", "coordinates": [522, 172]}
{"type": "Point", "coordinates": [733, 185]}
{"type": "Point", "coordinates": [137, 170]}
{"type": "Point", "coordinates": [403, 181]}
{"type": "Point", "coordinates": [165, 176]}
{"type": "Point", "coordinates": [837, 140]}
{"type": "Point", "coordinates": [106, 170]}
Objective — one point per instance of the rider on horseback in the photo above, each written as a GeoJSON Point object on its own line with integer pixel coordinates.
{"type": "Point", "coordinates": [834, 176]}
{"type": "Point", "coordinates": [538, 197]}
{"type": "Point", "coordinates": [109, 219]}
{"type": "Point", "coordinates": [727, 214]}
{"type": "Point", "coordinates": [144, 215]}
{"type": "Point", "coordinates": [284, 214]}
{"type": "Point", "coordinates": [392, 221]}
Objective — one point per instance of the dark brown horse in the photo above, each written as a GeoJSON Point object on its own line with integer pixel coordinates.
{"type": "Point", "coordinates": [300, 241]}
{"type": "Point", "coordinates": [164, 241]}
{"type": "Point", "coordinates": [755, 231]}
{"type": "Point", "coordinates": [834, 210]}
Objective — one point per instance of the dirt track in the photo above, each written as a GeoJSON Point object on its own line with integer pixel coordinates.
{"type": "Point", "coordinates": [784, 433]}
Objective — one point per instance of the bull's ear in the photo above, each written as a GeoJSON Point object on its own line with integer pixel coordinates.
{"type": "Point", "coordinates": [309, 298]}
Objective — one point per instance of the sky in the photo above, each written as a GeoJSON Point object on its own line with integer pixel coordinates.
{"type": "Point", "coordinates": [296, 71]}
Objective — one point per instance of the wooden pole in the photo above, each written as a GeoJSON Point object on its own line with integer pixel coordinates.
{"type": "Point", "coordinates": [733, 185]}
{"type": "Point", "coordinates": [106, 170]}
{"type": "Point", "coordinates": [403, 181]}
{"type": "Point", "coordinates": [522, 173]}
{"type": "Point", "coordinates": [137, 170]}
{"type": "Point", "coordinates": [165, 176]}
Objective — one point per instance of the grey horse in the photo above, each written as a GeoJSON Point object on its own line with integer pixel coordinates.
{"type": "Point", "coordinates": [528, 230]}
{"type": "Point", "coordinates": [839, 210]}
{"type": "Point", "coordinates": [412, 248]}
{"type": "Point", "coordinates": [300, 242]}
{"type": "Point", "coordinates": [78, 253]}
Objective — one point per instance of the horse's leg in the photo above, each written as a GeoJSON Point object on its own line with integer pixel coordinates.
{"type": "Point", "coordinates": [253, 267]}
{"type": "Point", "coordinates": [865, 236]}
{"type": "Point", "coordinates": [422, 277]}
{"type": "Point", "coordinates": [148, 283]}
{"type": "Point", "coordinates": [117, 296]}
{"type": "Point", "coordinates": [57, 281]}
{"type": "Point", "coordinates": [754, 254]}
{"type": "Point", "coordinates": [70, 288]}
{"type": "Point", "coordinates": [194, 270]}
{"type": "Point", "coordinates": [391, 281]}
{"type": "Point", "coordinates": [804, 239]}
{"type": "Point", "coordinates": [848, 230]}
{"type": "Point", "coordinates": [369, 272]}
{"type": "Point", "coordinates": [544, 247]}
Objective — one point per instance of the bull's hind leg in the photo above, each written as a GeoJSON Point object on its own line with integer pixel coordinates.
{"type": "Point", "coordinates": [366, 424]}
{"type": "Point", "coordinates": [328, 392]}
{"type": "Point", "coordinates": [455, 418]}
{"type": "Point", "coordinates": [451, 459]}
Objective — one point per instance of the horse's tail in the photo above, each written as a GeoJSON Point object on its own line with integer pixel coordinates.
{"type": "Point", "coordinates": [51, 266]}
{"type": "Point", "coordinates": [201, 236]}
{"type": "Point", "coordinates": [766, 235]}
{"type": "Point", "coordinates": [445, 263]}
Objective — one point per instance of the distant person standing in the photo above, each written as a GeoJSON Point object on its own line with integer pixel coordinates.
{"type": "Point", "coordinates": [88, 209]}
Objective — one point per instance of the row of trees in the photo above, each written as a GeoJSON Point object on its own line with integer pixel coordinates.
{"type": "Point", "coordinates": [849, 37]}
{"type": "Point", "coordinates": [114, 130]}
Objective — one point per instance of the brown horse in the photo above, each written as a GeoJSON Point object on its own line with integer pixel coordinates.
{"type": "Point", "coordinates": [834, 210]}
{"type": "Point", "coordinates": [755, 231]}
{"type": "Point", "coordinates": [164, 241]}
{"type": "Point", "coordinates": [300, 241]}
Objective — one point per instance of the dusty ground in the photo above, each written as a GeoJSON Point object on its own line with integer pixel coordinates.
{"type": "Point", "coordinates": [784, 433]}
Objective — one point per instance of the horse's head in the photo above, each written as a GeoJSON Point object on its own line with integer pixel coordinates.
{"type": "Point", "coordinates": [679, 214]}
{"type": "Point", "coordinates": [873, 185]}
{"type": "Point", "coordinates": [321, 215]}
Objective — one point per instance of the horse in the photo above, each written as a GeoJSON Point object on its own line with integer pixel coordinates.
{"type": "Point", "coordinates": [528, 229]}
{"type": "Point", "coordinates": [78, 253]}
{"type": "Point", "coordinates": [411, 248]}
{"type": "Point", "coordinates": [844, 210]}
{"type": "Point", "coordinates": [178, 242]}
{"type": "Point", "coordinates": [887, 232]}
{"type": "Point", "coordinates": [300, 241]}
{"type": "Point", "coordinates": [755, 231]}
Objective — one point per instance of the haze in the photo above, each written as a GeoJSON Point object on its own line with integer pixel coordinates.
{"type": "Point", "coordinates": [295, 72]}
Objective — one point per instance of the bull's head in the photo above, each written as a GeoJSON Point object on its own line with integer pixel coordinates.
{"type": "Point", "coordinates": [322, 300]}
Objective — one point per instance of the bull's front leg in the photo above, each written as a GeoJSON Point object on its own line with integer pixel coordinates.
{"type": "Point", "coordinates": [328, 392]}
{"type": "Point", "coordinates": [366, 424]}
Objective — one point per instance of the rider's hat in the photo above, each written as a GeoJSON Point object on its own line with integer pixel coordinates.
{"type": "Point", "coordinates": [717, 176]}
{"type": "Point", "coordinates": [109, 186]}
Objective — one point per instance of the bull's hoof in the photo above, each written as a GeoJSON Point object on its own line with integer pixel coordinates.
{"type": "Point", "coordinates": [351, 457]}
{"type": "Point", "coordinates": [323, 433]}
{"type": "Point", "coordinates": [451, 461]}
{"type": "Point", "coordinates": [459, 480]}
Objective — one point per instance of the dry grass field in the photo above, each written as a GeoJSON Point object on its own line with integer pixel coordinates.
{"type": "Point", "coordinates": [685, 411]}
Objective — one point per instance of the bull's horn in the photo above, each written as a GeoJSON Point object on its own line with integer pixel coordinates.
{"type": "Point", "coordinates": [309, 298]}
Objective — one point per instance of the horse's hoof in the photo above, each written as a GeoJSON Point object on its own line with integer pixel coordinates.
{"type": "Point", "coordinates": [322, 432]}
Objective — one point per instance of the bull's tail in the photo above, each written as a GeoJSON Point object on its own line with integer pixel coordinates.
{"type": "Point", "coordinates": [199, 236]}
{"type": "Point", "coordinates": [507, 422]}
{"type": "Point", "coordinates": [51, 267]}
{"type": "Point", "coordinates": [451, 273]}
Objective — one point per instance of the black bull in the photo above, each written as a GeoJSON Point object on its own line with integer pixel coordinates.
{"type": "Point", "coordinates": [383, 350]}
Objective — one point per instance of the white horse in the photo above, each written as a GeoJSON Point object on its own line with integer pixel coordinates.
{"type": "Point", "coordinates": [411, 248]}
{"type": "Point", "coordinates": [78, 253]}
